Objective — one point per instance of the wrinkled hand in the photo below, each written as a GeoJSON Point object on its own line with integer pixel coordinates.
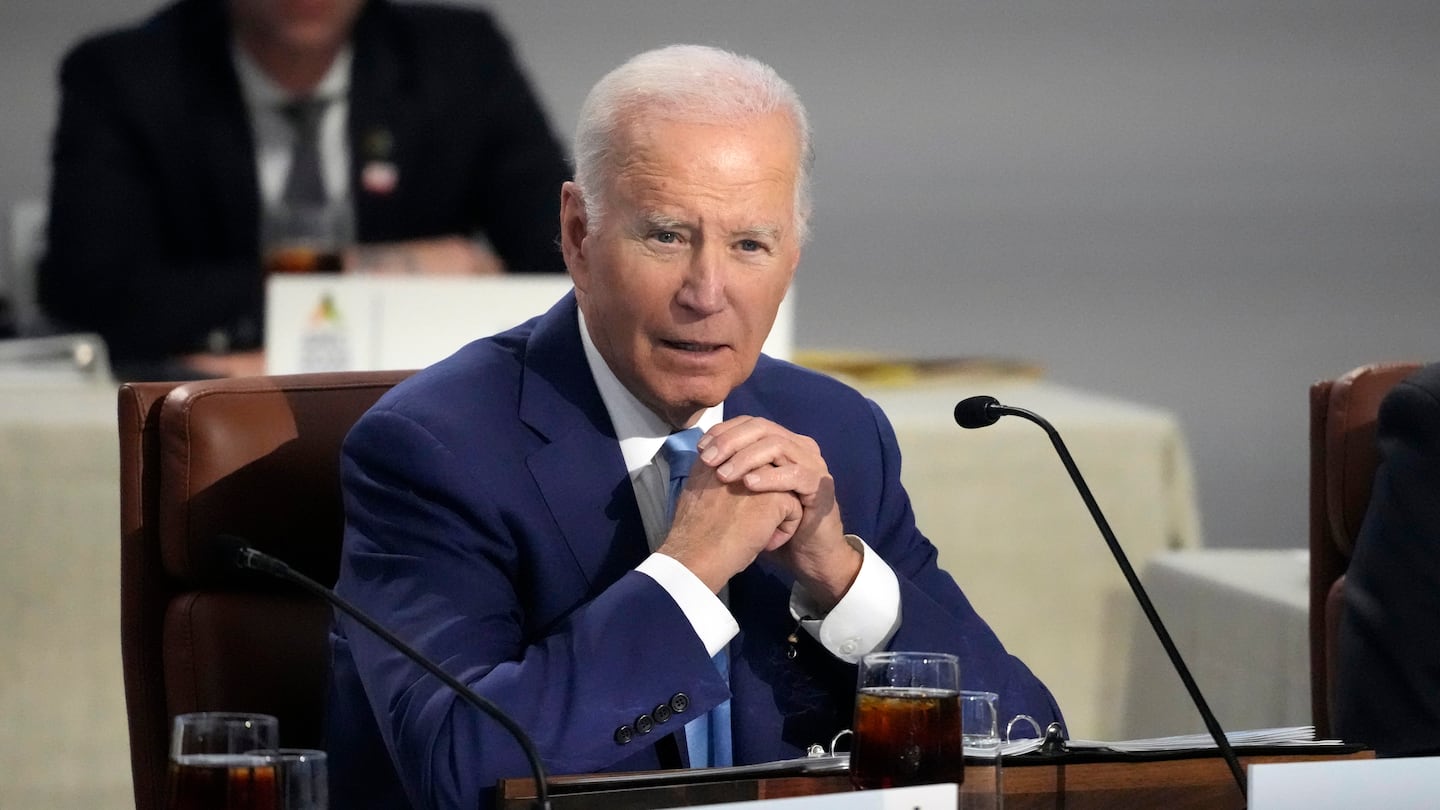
{"type": "Point", "coordinates": [719, 528]}
{"type": "Point", "coordinates": [235, 364]}
{"type": "Point", "coordinates": [764, 457]}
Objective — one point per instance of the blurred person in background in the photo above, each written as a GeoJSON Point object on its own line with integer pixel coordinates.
{"type": "Point", "coordinates": [406, 133]}
{"type": "Point", "coordinates": [1387, 689]}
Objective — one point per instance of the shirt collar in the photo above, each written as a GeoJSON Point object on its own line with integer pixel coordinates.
{"type": "Point", "coordinates": [639, 430]}
{"type": "Point", "coordinates": [261, 92]}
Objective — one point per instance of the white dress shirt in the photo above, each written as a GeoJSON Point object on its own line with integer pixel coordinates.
{"type": "Point", "coordinates": [275, 137]}
{"type": "Point", "coordinates": [865, 618]}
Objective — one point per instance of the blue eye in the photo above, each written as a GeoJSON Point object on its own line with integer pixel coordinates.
{"type": "Point", "coordinates": [667, 237]}
{"type": "Point", "coordinates": [750, 245]}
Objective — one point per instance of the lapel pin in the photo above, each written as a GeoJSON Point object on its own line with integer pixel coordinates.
{"type": "Point", "coordinates": [379, 177]}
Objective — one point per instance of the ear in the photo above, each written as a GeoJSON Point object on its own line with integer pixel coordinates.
{"type": "Point", "coordinates": [574, 227]}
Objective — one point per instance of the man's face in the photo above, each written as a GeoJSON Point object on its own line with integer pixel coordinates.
{"type": "Point", "coordinates": [681, 282]}
{"type": "Point", "coordinates": [295, 25]}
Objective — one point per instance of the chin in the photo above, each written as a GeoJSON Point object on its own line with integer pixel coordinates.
{"type": "Point", "coordinates": [679, 409]}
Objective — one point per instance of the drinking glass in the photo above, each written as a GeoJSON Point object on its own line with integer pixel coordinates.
{"type": "Point", "coordinates": [980, 731]}
{"type": "Point", "coordinates": [301, 238]}
{"type": "Point", "coordinates": [214, 762]}
{"type": "Point", "coordinates": [304, 784]}
{"type": "Point", "coordinates": [907, 721]}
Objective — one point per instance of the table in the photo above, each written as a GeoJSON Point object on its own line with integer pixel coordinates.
{"type": "Point", "coordinates": [1013, 531]}
{"type": "Point", "coordinates": [1240, 618]}
{"type": "Point", "coordinates": [996, 502]}
{"type": "Point", "coordinates": [1176, 783]}
{"type": "Point", "coordinates": [65, 741]}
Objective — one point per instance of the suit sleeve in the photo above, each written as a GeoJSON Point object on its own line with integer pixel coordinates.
{"type": "Point", "coordinates": [934, 613]}
{"type": "Point", "coordinates": [519, 203]}
{"type": "Point", "coordinates": [1388, 679]}
{"type": "Point", "coordinates": [112, 265]}
{"type": "Point", "coordinates": [442, 565]}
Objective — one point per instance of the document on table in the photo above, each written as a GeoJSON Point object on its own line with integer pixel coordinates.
{"type": "Point", "coordinates": [1268, 737]}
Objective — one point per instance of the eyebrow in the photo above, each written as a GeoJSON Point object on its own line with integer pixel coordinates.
{"type": "Point", "coordinates": [662, 222]}
{"type": "Point", "coordinates": [771, 232]}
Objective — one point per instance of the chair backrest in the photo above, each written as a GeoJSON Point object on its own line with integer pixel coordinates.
{"type": "Point", "coordinates": [27, 245]}
{"type": "Point", "coordinates": [256, 458]}
{"type": "Point", "coordinates": [1343, 458]}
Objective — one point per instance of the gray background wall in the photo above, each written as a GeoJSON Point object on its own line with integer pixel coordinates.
{"type": "Point", "coordinates": [1199, 206]}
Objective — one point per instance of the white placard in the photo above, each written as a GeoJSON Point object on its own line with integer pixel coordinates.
{"type": "Point", "coordinates": [920, 797]}
{"type": "Point", "coordinates": [1395, 784]}
{"type": "Point", "coordinates": [353, 322]}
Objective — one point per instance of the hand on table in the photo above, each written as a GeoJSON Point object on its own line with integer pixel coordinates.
{"type": "Point", "coordinates": [437, 256]}
{"type": "Point", "coordinates": [233, 364]}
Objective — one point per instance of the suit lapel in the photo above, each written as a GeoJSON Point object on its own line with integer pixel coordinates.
{"type": "Point", "coordinates": [383, 126]}
{"type": "Point", "coordinates": [225, 154]}
{"type": "Point", "coordinates": [580, 471]}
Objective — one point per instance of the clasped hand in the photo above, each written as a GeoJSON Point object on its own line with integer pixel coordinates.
{"type": "Point", "coordinates": [759, 488]}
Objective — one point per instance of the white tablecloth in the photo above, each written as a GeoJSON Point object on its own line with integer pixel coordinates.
{"type": "Point", "coordinates": [1240, 619]}
{"type": "Point", "coordinates": [996, 502]}
{"type": "Point", "coordinates": [62, 704]}
{"type": "Point", "coordinates": [1015, 534]}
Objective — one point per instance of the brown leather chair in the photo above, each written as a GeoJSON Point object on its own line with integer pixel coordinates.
{"type": "Point", "coordinates": [1343, 457]}
{"type": "Point", "coordinates": [257, 458]}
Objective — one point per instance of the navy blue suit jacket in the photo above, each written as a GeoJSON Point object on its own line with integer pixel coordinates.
{"type": "Point", "coordinates": [155, 205]}
{"type": "Point", "coordinates": [491, 521]}
{"type": "Point", "coordinates": [1387, 688]}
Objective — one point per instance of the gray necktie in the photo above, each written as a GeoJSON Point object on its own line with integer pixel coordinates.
{"type": "Point", "coordinates": [305, 185]}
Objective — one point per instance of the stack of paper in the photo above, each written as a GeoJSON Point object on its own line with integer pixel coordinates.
{"type": "Point", "coordinates": [1292, 735]}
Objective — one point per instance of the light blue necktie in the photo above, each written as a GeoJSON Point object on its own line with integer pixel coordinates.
{"type": "Point", "coordinates": [707, 736]}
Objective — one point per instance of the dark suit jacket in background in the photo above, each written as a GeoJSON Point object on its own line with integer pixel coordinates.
{"type": "Point", "coordinates": [155, 205]}
{"type": "Point", "coordinates": [1388, 685]}
{"type": "Point", "coordinates": [491, 521]}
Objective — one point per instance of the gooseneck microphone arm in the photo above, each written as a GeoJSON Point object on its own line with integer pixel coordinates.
{"type": "Point", "coordinates": [242, 556]}
{"type": "Point", "coordinates": [982, 411]}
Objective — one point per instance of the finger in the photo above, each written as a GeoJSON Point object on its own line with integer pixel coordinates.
{"type": "Point", "coordinates": [723, 439]}
{"type": "Point", "coordinates": [762, 448]}
{"type": "Point", "coordinates": [788, 477]}
{"type": "Point", "coordinates": [721, 428]}
{"type": "Point", "coordinates": [789, 524]}
{"type": "Point", "coordinates": [760, 455]}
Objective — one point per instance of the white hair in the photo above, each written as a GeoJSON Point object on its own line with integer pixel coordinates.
{"type": "Point", "coordinates": [691, 83]}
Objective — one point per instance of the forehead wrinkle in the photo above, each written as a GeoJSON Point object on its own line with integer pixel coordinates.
{"type": "Point", "coordinates": [668, 192]}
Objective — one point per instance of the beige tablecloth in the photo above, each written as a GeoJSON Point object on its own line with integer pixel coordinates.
{"type": "Point", "coordinates": [1015, 534]}
{"type": "Point", "coordinates": [996, 502]}
{"type": "Point", "coordinates": [62, 705]}
{"type": "Point", "coordinates": [1240, 618]}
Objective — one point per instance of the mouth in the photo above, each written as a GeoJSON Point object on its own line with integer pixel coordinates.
{"type": "Point", "coordinates": [692, 347]}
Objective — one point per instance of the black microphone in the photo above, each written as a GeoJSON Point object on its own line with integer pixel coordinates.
{"type": "Point", "coordinates": [236, 553]}
{"type": "Point", "coordinates": [983, 411]}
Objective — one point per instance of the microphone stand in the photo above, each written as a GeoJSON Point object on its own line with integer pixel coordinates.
{"type": "Point", "coordinates": [991, 410]}
{"type": "Point", "coordinates": [253, 560]}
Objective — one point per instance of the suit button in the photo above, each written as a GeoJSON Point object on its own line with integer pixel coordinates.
{"type": "Point", "coordinates": [679, 702]}
{"type": "Point", "coordinates": [643, 724]}
{"type": "Point", "coordinates": [624, 735]}
{"type": "Point", "coordinates": [661, 713]}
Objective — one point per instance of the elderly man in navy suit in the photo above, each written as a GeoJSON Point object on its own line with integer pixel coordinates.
{"type": "Point", "coordinates": [508, 508]}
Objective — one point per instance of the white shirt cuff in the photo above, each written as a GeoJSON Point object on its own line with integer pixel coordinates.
{"type": "Point", "coordinates": [864, 620]}
{"type": "Point", "coordinates": [707, 614]}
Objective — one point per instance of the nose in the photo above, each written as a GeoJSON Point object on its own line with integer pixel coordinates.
{"type": "Point", "coordinates": [703, 288]}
